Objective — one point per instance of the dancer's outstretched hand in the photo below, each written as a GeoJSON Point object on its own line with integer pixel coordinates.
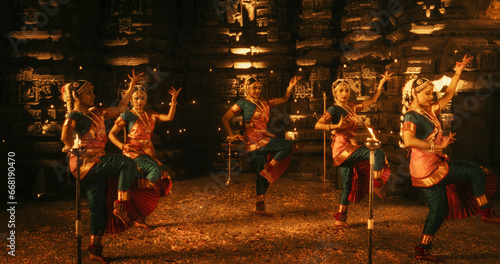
{"type": "Point", "coordinates": [136, 78]}
{"type": "Point", "coordinates": [174, 93]}
{"type": "Point", "coordinates": [387, 75]}
{"type": "Point", "coordinates": [293, 82]}
{"type": "Point", "coordinates": [460, 65]}
{"type": "Point", "coordinates": [448, 140]}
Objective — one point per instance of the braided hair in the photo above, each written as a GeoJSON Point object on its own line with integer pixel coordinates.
{"type": "Point", "coordinates": [410, 90]}
{"type": "Point", "coordinates": [71, 90]}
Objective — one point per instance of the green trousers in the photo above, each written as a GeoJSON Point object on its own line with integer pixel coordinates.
{"type": "Point", "coordinates": [149, 167]}
{"type": "Point", "coordinates": [281, 147]}
{"type": "Point", "coordinates": [346, 171]}
{"type": "Point", "coordinates": [460, 171]}
{"type": "Point", "coordinates": [95, 183]}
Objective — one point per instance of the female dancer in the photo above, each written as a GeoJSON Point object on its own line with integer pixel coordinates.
{"type": "Point", "coordinates": [255, 112]}
{"type": "Point", "coordinates": [352, 158]}
{"type": "Point", "coordinates": [139, 125]}
{"type": "Point", "coordinates": [430, 168]}
{"type": "Point", "coordinates": [96, 166]}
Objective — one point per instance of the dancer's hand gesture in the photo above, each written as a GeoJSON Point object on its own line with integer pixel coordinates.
{"type": "Point", "coordinates": [460, 65]}
{"type": "Point", "coordinates": [293, 82]}
{"type": "Point", "coordinates": [174, 93]}
{"type": "Point", "coordinates": [136, 78]}
{"type": "Point", "coordinates": [448, 140]}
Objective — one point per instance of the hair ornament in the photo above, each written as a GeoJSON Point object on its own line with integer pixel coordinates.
{"type": "Point", "coordinates": [420, 84]}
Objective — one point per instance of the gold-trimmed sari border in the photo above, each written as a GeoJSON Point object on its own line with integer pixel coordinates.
{"type": "Point", "coordinates": [344, 154]}
{"type": "Point", "coordinates": [434, 177]}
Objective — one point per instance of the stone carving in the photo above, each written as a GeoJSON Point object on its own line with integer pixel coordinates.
{"type": "Point", "coordinates": [33, 87]}
{"type": "Point", "coordinates": [231, 88]}
{"type": "Point", "coordinates": [320, 74]}
{"type": "Point", "coordinates": [303, 90]}
{"type": "Point", "coordinates": [486, 59]}
{"type": "Point", "coordinates": [273, 34]}
{"type": "Point", "coordinates": [446, 119]}
{"type": "Point", "coordinates": [30, 16]}
{"type": "Point", "coordinates": [51, 113]}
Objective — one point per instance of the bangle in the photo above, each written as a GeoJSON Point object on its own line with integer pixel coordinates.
{"type": "Point", "coordinates": [173, 103]}
{"type": "Point", "coordinates": [456, 74]}
{"type": "Point", "coordinates": [329, 127]}
{"type": "Point", "coordinates": [129, 94]}
{"type": "Point", "coordinates": [432, 146]}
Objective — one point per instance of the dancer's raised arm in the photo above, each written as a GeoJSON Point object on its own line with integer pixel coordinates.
{"type": "Point", "coordinates": [113, 111]}
{"type": "Point", "coordinates": [289, 90]}
{"type": "Point", "coordinates": [450, 91]}
{"type": "Point", "coordinates": [386, 76]}
{"type": "Point", "coordinates": [173, 104]}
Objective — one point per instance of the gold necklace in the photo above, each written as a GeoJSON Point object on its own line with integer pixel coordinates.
{"type": "Point", "coordinates": [89, 117]}
{"type": "Point", "coordinates": [348, 109]}
{"type": "Point", "coordinates": [260, 105]}
{"type": "Point", "coordinates": [148, 125]}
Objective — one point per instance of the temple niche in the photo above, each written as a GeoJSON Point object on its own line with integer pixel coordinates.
{"type": "Point", "coordinates": [209, 47]}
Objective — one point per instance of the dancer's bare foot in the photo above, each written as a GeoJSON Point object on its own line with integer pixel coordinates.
{"type": "Point", "coordinates": [341, 224]}
{"type": "Point", "coordinates": [141, 225]}
{"type": "Point", "coordinates": [99, 258]}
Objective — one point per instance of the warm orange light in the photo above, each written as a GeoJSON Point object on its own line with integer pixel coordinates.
{"type": "Point", "coordinates": [242, 64]}
{"type": "Point", "coordinates": [240, 51]}
{"type": "Point", "coordinates": [373, 135]}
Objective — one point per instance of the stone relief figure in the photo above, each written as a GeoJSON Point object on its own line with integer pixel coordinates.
{"type": "Point", "coordinates": [27, 92]}
{"type": "Point", "coordinates": [486, 60]}
{"type": "Point", "coordinates": [30, 16]}
{"type": "Point", "coordinates": [233, 12]}
{"type": "Point", "coordinates": [238, 10]}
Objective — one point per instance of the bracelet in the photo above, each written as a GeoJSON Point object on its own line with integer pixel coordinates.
{"type": "Point", "coordinates": [329, 127]}
{"type": "Point", "coordinates": [456, 74]}
{"type": "Point", "coordinates": [173, 103]}
{"type": "Point", "coordinates": [129, 94]}
{"type": "Point", "coordinates": [432, 145]}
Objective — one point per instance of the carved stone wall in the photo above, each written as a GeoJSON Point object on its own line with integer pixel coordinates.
{"type": "Point", "coordinates": [208, 47]}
